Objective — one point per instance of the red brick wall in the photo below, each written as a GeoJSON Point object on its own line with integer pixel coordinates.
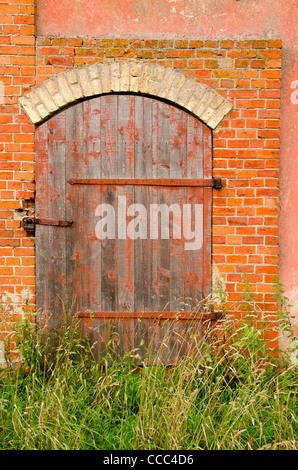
{"type": "Point", "coordinates": [17, 73]}
{"type": "Point", "coordinates": [245, 145]}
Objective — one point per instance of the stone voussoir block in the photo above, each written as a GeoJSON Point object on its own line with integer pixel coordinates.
{"type": "Point", "coordinates": [46, 99]}
{"type": "Point", "coordinates": [177, 85]}
{"type": "Point", "coordinates": [52, 87]}
{"type": "Point", "coordinates": [105, 77]}
{"type": "Point", "coordinates": [115, 73]}
{"type": "Point", "coordinates": [84, 81]}
{"type": "Point", "coordinates": [42, 110]}
{"type": "Point", "coordinates": [136, 70]}
{"type": "Point", "coordinates": [30, 110]}
{"type": "Point", "coordinates": [124, 81]}
{"type": "Point", "coordinates": [95, 78]}
{"type": "Point", "coordinates": [157, 75]}
{"type": "Point", "coordinates": [220, 113]}
{"type": "Point", "coordinates": [64, 88]}
{"type": "Point", "coordinates": [196, 96]}
{"type": "Point", "coordinates": [204, 102]}
{"type": "Point", "coordinates": [166, 83]}
{"type": "Point", "coordinates": [186, 93]}
{"type": "Point", "coordinates": [144, 84]}
{"type": "Point", "coordinates": [73, 81]}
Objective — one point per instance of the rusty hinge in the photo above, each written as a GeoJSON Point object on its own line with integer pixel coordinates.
{"type": "Point", "coordinates": [30, 222]}
{"type": "Point", "coordinates": [171, 182]}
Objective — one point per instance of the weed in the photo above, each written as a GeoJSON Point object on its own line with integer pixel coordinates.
{"type": "Point", "coordinates": [227, 392]}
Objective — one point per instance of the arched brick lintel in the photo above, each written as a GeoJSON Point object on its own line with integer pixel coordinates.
{"type": "Point", "coordinates": [130, 76]}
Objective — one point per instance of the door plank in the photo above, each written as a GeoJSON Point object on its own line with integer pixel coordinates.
{"type": "Point", "coordinates": [125, 161]}
{"type": "Point", "coordinates": [195, 155]}
{"type": "Point", "coordinates": [160, 169]}
{"type": "Point", "coordinates": [178, 170]}
{"type": "Point", "coordinates": [143, 254]}
{"type": "Point", "coordinates": [50, 203]}
{"type": "Point", "coordinates": [74, 129]}
{"type": "Point", "coordinates": [43, 276]}
{"type": "Point", "coordinates": [109, 168]}
{"type": "Point", "coordinates": [91, 167]}
{"type": "Point", "coordinates": [207, 204]}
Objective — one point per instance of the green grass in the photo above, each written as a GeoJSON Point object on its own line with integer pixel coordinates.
{"type": "Point", "coordinates": [236, 395]}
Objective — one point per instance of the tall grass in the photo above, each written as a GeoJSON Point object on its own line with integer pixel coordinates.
{"type": "Point", "coordinates": [232, 393]}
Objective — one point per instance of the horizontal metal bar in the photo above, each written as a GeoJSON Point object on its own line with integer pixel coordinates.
{"type": "Point", "coordinates": [151, 315]}
{"type": "Point", "coordinates": [60, 223]}
{"type": "Point", "coordinates": [202, 182]}
{"type": "Point", "coordinates": [30, 222]}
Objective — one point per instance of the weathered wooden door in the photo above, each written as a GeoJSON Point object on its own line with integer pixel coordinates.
{"type": "Point", "coordinates": [134, 175]}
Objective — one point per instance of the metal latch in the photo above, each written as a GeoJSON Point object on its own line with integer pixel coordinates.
{"type": "Point", "coordinates": [30, 222]}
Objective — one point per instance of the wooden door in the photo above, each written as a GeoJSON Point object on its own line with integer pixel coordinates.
{"type": "Point", "coordinates": [130, 172]}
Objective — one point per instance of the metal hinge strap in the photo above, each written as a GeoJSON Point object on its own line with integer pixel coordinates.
{"type": "Point", "coordinates": [30, 222]}
{"type": "Point", "coordinates": [203, 182]}
{"type": "Point", "coordinates": [153, 315]}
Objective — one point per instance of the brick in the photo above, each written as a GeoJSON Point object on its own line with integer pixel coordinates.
{"type": "Point", "coordinates": [271, 54]}
{"type": "Point", "coordinates": [117, 52]}
{"type": "Point", "coordinates": [227, 44]}
{"type": "Point", "coordinates": [245, 250]}
{"type": "Point", "coordinates": [250, 240]}
{"type": "Point", "coordinates": [259, 43]}
{"type": "Point", "coordinates": [242, 53]}
{"type": "Point", "coordinates": [227, 73]}
{"type": "Point", "coordinates": [257, 64]}
{"type": "Point", "coordinates": [269, 93]}
{"type": "Point", "coordinates": [273, 63]}
{"type": "Point", "coordinates": [237, 259]}
{"type": "Point", "coordinates": [211, 63]}
{"type": "Point", "coordinates": [226, 83]}
{"type": "Point", "coordinates": [237, 220]}
{"type": "Point", "coordinates": [23, 40]}
{"type": "Point", "coordinates": [9, 50]}
{"type": "Point", "coordinates": [174, 53]}
{"type": "Point", "coordinates": [198, 73]}
{"type": "Point", "coordinates": [20, 60]}
{"type": "Point", "coordinates": [270, 74]}
{"type": "Point", "coordinates": [211, 44]}
{"type": "Point", "coordinates": [196, 44]}
{"type": "Point", "coordinates": [164, 43]}
{"type": "Point", "coordinates": [180, 63]}
{"type": "Point", "coordinates": [195, 63]}
{"type": "Point", "coordinates": [181, 44]}
{"type": "Point", "coordinates": [59, 61]}
{"type": "Point", "coordinates": [275, 43]}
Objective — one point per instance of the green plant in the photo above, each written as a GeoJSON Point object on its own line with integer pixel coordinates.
{"type": "Point", "coordinates": [286, 321]}
{"type": "Point", "coordinates": [284, 307]}
{"type": "Point", "coordinates": [228, 394]}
